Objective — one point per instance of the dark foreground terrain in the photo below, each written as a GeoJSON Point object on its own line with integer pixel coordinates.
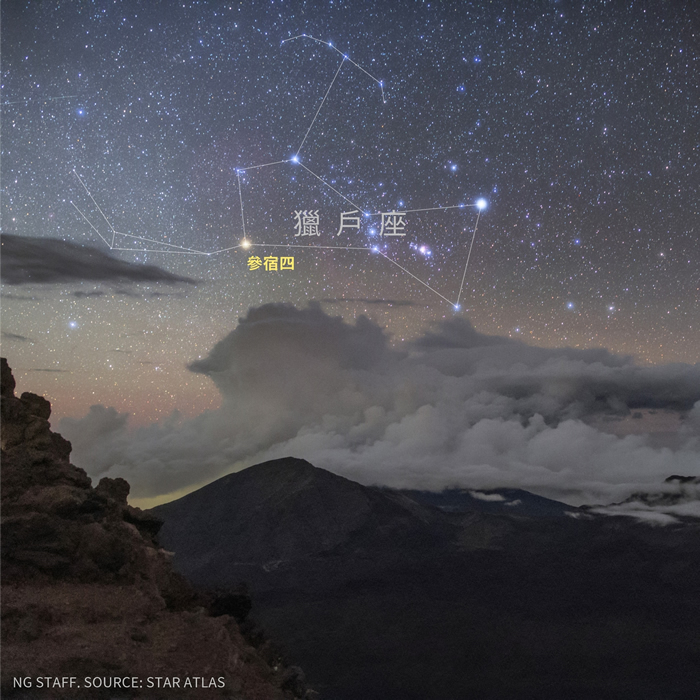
{"type": "Point", "coordinates": [384, 595]}
{"type": "Point", "coordinates": [88, 593]}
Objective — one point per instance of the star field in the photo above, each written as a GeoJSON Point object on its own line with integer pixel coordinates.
{"type": "Point", "coordinates": [575, 121]}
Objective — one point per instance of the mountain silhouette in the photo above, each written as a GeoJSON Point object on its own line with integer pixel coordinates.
{"type": "Point", "coordinates": [287, 510]}
{"type": "Point", "coordinates": [390, 595]}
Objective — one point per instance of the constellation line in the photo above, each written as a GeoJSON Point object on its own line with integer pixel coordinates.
{"type": "Point", "coordinates": [412, 275]}
{"type": "Point", "coordinates": [246, 244]}
{"type": "Point", "coordinates": [345, 56]}
{"type": "Point", "coordinates": [173, 252]}
{"type": "Point", "coordinates": [46, 99]}
{"type": "Point", "coordinates": [321, 105]}
{"type": "Point", "coordinates": [298, 245]}
{"type": "Point", "coordinates": [91, 226]}
{"type": "Point", "coordinates": [153, 240]}
{"type": "Point", "coordinates": [98, 206]}
{"type": "Point", "coordinates": [240, 197]}
{"type": "Point", "coordinates": [413, 211]}
{"type": "Point", "coordinates": [464, 276]}
{"type": "Point", "coordinates": [264, 165]}
{"type": "Point", "coordinates": [131, 235]}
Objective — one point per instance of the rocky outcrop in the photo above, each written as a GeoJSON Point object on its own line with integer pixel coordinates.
{"type": "Point", "coordinates": [88, 592]}
{"type": "Point", "coordinates": [55, 526]}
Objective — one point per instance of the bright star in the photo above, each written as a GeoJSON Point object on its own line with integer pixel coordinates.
{"type": "Point", "coordinates": [481, 204]}
{"type": "Point", "coordinates": [72, 324]}
{"type": "Point", "coordinates": [245, 243]}
{"type": "Point", "coordinates": [295, 159]}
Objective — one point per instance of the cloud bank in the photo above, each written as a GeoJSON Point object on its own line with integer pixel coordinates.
{"type": "Point", "coordinates": [678, 498]}
{"type": "Point", "coordinates": [30, 260]}
{"type": "Point", "coordinates": [455, 409]}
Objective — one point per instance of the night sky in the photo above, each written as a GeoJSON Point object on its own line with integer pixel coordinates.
{"type": "Point", "coordinates": [577, 122]}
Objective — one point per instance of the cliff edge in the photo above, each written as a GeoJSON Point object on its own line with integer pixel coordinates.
{"type": "Point", "coordinates": [88, 595]}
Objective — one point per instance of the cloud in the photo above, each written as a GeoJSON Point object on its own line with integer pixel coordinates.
{"type": "Point", "coordinates": [157, 295]}
{"type": "Point", "coordinates": [455, 408]}
{"type": "Point", "coordinates": [678, 497]}
{"type": "Point", "coordinates": [88, 295]}
{"type": "Point", "coordinates": [96, 428]}
{"type": "Point", "coordinates": [30, 260]}
{"type": "Point", "coordinates": [641, 513]}
{"type": "Point", "coordinates": [17, 297]}
{"type": "Point", "coordinates": [16, 337]}
{"type": "Point", "coordinates": [480, 496]}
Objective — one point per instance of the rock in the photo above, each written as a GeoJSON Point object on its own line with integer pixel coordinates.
{"type": "Point", "coordinates": [294, 681]}
{"type": "Point", "coordinates": [36, 405]}
{"type": "Point", "coordinates": [117, 489]}
{"type": "Point", "coordinates": [236, 604]}
{"type": "Point", "coordinates": [138, 635]}
{"type": "Point", "coordinates": [88, 591]}
{"type": "Point", "coordinates": [7, 381]}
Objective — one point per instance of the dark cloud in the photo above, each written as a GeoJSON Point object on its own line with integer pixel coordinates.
{"type": "Point", "coordinates": [17, 297]}
{"type": "Point", "coordinates": [29, 260]}
{"type": "Point", "coordinates": [456, 408]}
{"type": "Point", "coordinates": [378, 302]}
{"type": "Point", "coordinates": [52, 371]}
{"type": "Point", "coordinates": [287, 336]}
{"type": "Point", "coordinates": [156, 295]}
{"type": "Point", "coordinates": [17, 338]}
{"type": "Point", "coordinates": [88, 295]}
{"type": "Point", "coordinates": [96, 427]}
{"type": "Point", "coordinates": [459, 333]}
